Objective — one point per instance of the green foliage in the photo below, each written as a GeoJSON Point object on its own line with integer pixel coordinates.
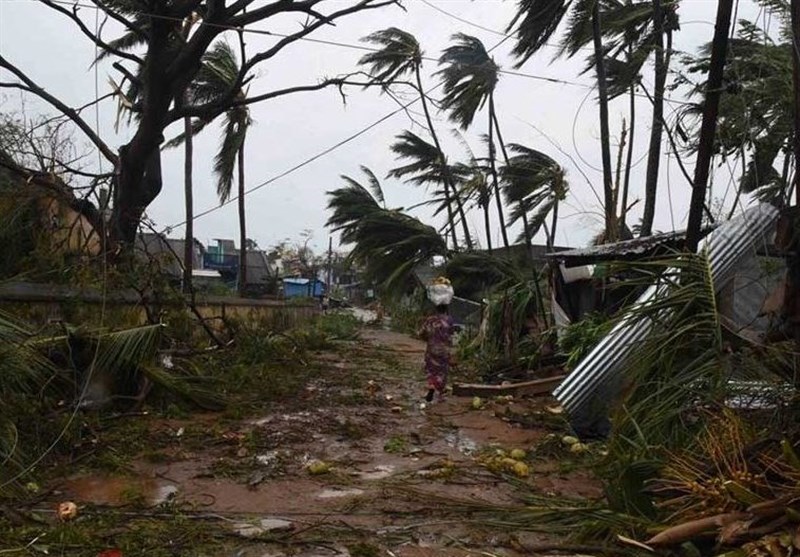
{"type": "Point", "coordinates": [339, 325]}
{"type": "Point", "coordinates": [577, 339]}
{"type": "Point", "coordinates": [469, 76]}
{"type": "Point", "coordinates": [396, 444]}
{"type": "Point", "coordinates": [755, 114]}
{"type": "Point", "coordinates": [399, 55]}
{"type": "Point", "coordinates": [681, 365]}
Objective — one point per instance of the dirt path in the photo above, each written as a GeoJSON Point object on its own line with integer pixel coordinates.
{"type": "Point", "coordinates": [384, 464]}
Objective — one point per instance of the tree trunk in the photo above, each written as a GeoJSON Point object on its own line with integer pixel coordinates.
{"type": "Point", "coordinates": [493, 167]}
{"type": "Point", "coordinates": [451, 192]}
{"type": "Point", "coordinates": [796, 58]}
{"type": "Point", "coordinates": [656, 126]}
{"type": "Point", "coordinates": [242, 225]}
{"type": "Point", "coordinates": [188, 242]}
{"type": "Point", "coordinates": [553, 226]}
{"type": "Point", "coordinates": [486, 221]}
{"type": "Point", "coordinates": [527, 230]}
{"type": "Point", "coordinates": [628, 162]}
{"type": "Point", "coordinates": [605, 135]}
{"type": "Point", "coordinates": [138, 180]}
{"type": "Point", "coordinates": [618, 170]}
{"type": "Point", "coordinates": [705, 149]}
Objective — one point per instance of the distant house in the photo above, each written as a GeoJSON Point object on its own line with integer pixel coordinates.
{"type": "Point", "coordinates": [223, 257]}
{"type": "Point", "coordinates": [167, 252]}
{"type": "Point", "coordinates": [303, 288]}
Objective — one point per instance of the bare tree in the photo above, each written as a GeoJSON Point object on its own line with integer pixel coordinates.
{"type": "Point", "coordinates": [157, 65]}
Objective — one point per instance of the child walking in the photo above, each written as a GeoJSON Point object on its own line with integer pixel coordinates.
{"type": "Point", "coordinates": [437, 331]}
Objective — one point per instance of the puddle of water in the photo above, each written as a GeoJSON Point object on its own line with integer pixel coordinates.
{"type": "Point", "coordinates": [461, 443]}
{"type": "Point", "coordinates": [378, 473]}
{"type": "Point", "coordinates": [338, 493]}
{"type": "Point", "coordinates": [120, 491]}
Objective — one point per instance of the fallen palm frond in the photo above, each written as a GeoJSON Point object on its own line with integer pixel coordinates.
{"type": "Point", "coordinates": [23, 370]}
{"type": "Point", "coordinates": [577, 519]}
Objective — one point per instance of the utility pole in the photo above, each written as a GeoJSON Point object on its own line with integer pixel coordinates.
{"type": "Point", "coordinates": [719, 49]}
{"type": "Point", "coordinates": [330, 263]}
{"type": "Point", "coordinates": [796, 57]}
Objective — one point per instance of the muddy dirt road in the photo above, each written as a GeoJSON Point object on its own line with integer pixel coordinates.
{"type": "Point", "coordinates": [356, 465]}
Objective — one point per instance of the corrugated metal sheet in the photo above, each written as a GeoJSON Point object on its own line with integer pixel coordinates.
{"type": "Point", "coordinates": [726, 245]}
{"type": "Point", "coordinates": [625, 250]}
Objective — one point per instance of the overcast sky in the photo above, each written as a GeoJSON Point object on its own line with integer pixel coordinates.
{"type": "Point", "coordinates": [557, 118]}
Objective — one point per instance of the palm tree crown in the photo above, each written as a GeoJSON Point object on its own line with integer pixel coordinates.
{"type": "Point", "coordinates": [400, 54]}
{"type": "Point", "coordinates": [470, 76]}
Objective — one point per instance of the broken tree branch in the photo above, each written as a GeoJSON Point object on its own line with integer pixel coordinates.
{"type": "Point", "coordinates": [70, 113]}
{"type": "Point", "coordinates": [73, 15]}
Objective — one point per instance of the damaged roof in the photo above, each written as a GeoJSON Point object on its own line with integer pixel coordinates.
{"type": "Point", "coordinates": [637, 248]}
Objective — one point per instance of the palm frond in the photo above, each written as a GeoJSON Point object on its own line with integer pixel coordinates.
{"type": "Point", "coordinates": [532, 182]}
{"type": "Point", "coordinates": [399, 55]}
{"type": "Point", "coordinates": [535, 22]}
{"type": "Point", "coordinates": [129, 40]}
{"type": "Point", "coordinates": [217, 74]}
{"type": "Point", "coordinates": [426, 160]}
{"type": "Point", "coordinates": [391, 244]}
{"type": "Point", "coordinates": [349, 206]}
{"type": "Point", "coordinates": [237, 121]}
{"type": "Point", "coordinates": [198, 125]}
{"type": "Point", "coordinates": [374, 185]}
{"type": "Point", "coordinates": [469, 77]}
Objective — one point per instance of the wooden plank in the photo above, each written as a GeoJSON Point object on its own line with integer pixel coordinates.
{"type": "Point", "coordinates": [536, 387]}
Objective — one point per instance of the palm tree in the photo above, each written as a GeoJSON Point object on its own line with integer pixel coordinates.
{"type": "Point", "coordinates": [538, 20]}
{"type": "Point", "coordinates": [215, 79]}
{"type": "Point", "coordinates": [389, 243]}
{"type": "Point", "coordinates": [755, 120]}
{"type": "Point", "coordinates": [350, 204]}
{"type": "Point", "coordinates": [474, 183]}
{"type": "Point", "coordinates": [632, 30]}
{"type": "Point", "coordinates": [425, 166]}
{"type": "Point", "coordinates": [401, 55]}
{"type": "Point", "coordinates": [534, 183]}
{"type": "Point", "coordinates": [470, 76]}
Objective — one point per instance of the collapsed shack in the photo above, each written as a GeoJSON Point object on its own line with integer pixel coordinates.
{"type": "Point", "coordinates": [742, 274]}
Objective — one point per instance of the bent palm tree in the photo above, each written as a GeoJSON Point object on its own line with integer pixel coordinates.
{"type": "Point", "coordinates": [425, 165]}
{"type": "Point", "coordinates": [215, 79]}
{"type": "Point", "coordinates": [470, 76]}
{"type": "Point", "coordinates": [388, 243]}
{"type": "Point", "coordinates": [401, 55]}
{"type": "Point", "coordinates": [350, 204]}
{"type": "Point", "coordinates": [534, 183]}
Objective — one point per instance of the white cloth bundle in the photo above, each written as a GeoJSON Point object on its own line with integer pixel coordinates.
{"type": "Point", "coordinates": [440, 294]}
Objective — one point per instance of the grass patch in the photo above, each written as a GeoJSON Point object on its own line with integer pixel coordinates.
{"type": "Point", "coordinates": [396, 444]}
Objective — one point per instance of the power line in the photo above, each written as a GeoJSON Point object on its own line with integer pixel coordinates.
{"type": "Point", "coordinates": [306, 161]}
{"type": "Point", "coordinates": [324, 41]}
{"type": "Point", "coordinates": [487, 29]}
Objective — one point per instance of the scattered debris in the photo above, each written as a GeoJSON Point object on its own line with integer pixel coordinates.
{"type": "Point", "coordinates": [318, 467]}
{"type": "Point", "coordinates": [530, 388]}
{"type": "Point", "coordinates": [262, 526]}
{"type": "Point", "coordinates": [67, 511]}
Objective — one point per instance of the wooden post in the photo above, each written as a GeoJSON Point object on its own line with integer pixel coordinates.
{"type": "Point", "coordinates": [719, 48]}
{"type": "Point", "coordinates": [330, 270]}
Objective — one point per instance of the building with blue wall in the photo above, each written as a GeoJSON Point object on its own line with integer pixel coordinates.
{"type": "Point", "coordinates": [303, 288]}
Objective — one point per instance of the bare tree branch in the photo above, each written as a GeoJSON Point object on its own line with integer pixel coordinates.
{"type": "Point", "coordinates": [208, 112]}
{"type": "Point", "coordinates": [308, 29]}
{"type": "Point", "coordinates": [70, 113]}
{"type": "Point", "coordinates": [73, 15]}
{"type": "Point", "coordinates": [119, 19]}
